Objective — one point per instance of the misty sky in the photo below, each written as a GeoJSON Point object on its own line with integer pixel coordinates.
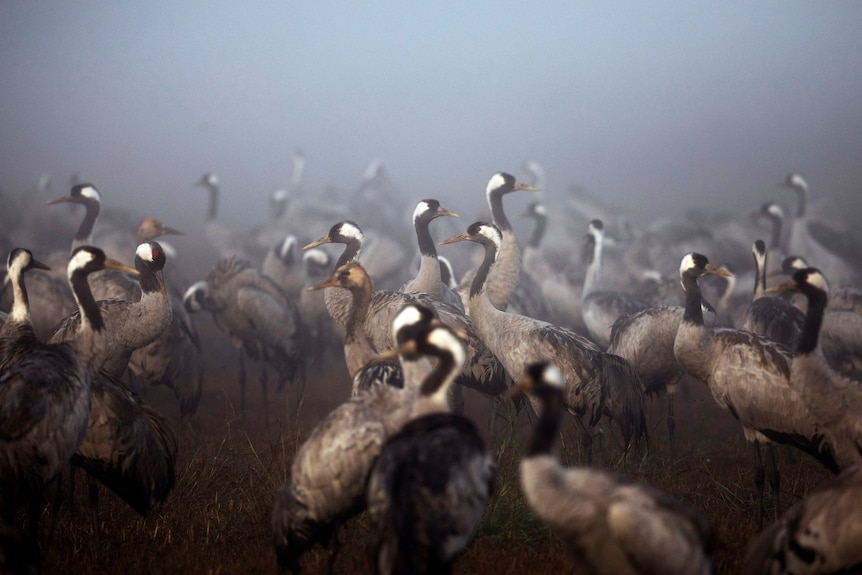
{"type": "Point", "coordinates": [692, 103]}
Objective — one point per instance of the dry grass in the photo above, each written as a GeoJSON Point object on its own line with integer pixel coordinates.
{"type": "Point", "coordinates": [217, 518]}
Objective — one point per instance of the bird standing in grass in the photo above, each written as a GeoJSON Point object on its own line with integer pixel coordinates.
{"type": "Point", "coordinates": [609, 523]}
{"type": "Point", "coordinates": [432, 479]}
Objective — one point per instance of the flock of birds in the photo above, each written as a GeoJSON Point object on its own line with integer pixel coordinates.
{"type": "Point", "coordinates": [591, 337]}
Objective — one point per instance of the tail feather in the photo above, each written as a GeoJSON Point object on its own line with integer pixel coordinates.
{"type": "Point", "coordinates": [128, 447]}
{"type": "Point", "coordinates": [624, 400]}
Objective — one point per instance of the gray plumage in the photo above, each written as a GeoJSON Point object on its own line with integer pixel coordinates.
{"type": "Point", "coordinates": [283, 263]}
{"type": "Point", "coordinates": [748, 375]}
{"type": "Point", "coordinates": [50, 293]}
{"type": "Point", "coordinates": [257, 316]}
{"type": "Point", "coordinates": [482, 370]}
{"type": "Point", "coordinates": [174, 358]}
{"type": "Point", "coordinates": [329, 470]}
{"type": "Point", "coordinates": [835, 252]}
{"type": "Point", "coordinates": [362, 365]}
{"type": "Point", "coordinates": [505, 276]}
{"type": "Point", "coordinates": [45, 390]}
{"type": "Point", "coordinates": [130, 325]}
{"type": "Point", "coordinates": [561, 300]}
{"type": "Point", "coordinates": [770, 316]}
{"type": "Point", "coordinates": [834, 400]}
{"type": "Point", "coordinates": [87, 195]}
{"type": "Point", "coordinates": [645, 340]}
{"type": "Point", "coordinates": [818, 536]}
{"type": "Point", "coordinates": [127, 446]}
{"type": "Point", "coordinates": [226, 242]}
{"type": "Point", "coordinates": [841, 333]}
{"type": "Point", "coordinates": [608, 522]}
{"type": "Point", "coordinates": [429, 485]}
{"type": "Point", "coordinates": [597, 383]}
{"type": "Point", "coordinates": [428, 279]}
{"type": "Point", "coordinates": [601, 307]}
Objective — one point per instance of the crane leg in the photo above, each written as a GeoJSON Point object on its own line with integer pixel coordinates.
{"type": "Point", "coordinates": [671, 424]}
{"type": "Point", "coordinates": [242, 383]}
{"type": "Point", "coordinates": [774, 480]}
{"type": "Point", "coordinates": [264, 388]}
{"type": "Point", "coordinates": [759, 481]}
{"type": "Point", "coordinates": [586, 440]}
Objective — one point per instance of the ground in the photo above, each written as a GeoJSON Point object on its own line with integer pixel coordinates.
{"type": "Point", "coordinates": [217, 520]}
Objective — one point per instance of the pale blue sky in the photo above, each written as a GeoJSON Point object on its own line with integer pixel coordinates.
{"type": "Point", "coordinates": [660, 105]}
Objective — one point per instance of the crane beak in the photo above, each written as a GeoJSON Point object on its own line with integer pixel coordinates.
{"type": "Point", "coordinates": [324, 240]}
{"type": "Point", "coordinates": [60, 200]}
{"type": "Point", "coordinates": [525, 187]}
{"type": "Point", "coordinates": [168, 231]}
{"type": "Point", "coordinates": [406, 348]}
{"type": "Point", "coordinates": [441, 211]}
{"type": "Point", "coordinates": [711, 269]}
{"type": "Point", "coordinates": [462, 237]}
{"type": "Point", "coordinates": [39, 265]}
{"type": "Point", "coordinates": [331, 281]}
{"type": "Point", "coordinates": [112, 264]}
{"type": "Point", "coordinates": [789, 285]}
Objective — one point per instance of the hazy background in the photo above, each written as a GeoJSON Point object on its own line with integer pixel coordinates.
{"type": "Point", "coordinates": [659, 107]}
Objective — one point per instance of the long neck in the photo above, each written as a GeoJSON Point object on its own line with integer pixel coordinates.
{"type": "Point", "coordinates": [428, 278]}
{"type": "Point", "coordinates": [433, 393]}
{"type": "Point", "coordinates": [91, 330]}
{"type": "Point", "coordinates": [477, 288]}
{"type": "Point", "coordinates": [151, 282]}
{"type": "Point", "coordinates": [817, 301]}
{"type": "Point", "coordinates": [775, 236]}
{"type": "Point", "coordinates": [593, 277]}
{"type": "Point", "coordinates": [357, 350]}
{"type": "Point", "coordinates": [498, 216]}
{"type": "Point", "coordinates": [84, 236]}
{"type": "Point", "coordinates": [546, 427]}
{"type": "Point", "coordinates": [20, 312]}
{"type": "Point", "coordinates": [803, 199]}
{"type": "Point", "coordinates": [759, 276]}
{"type": "Point", "coordinates": [693, 310]}
{"type": "Point", "coordinates": [538, 232]}
{"type": "Point", "coordinates": [212, 209]}
{"type": "Point", "coordinates": [91, 317]}
{"type": "Point", "coordinates": [350, 253]}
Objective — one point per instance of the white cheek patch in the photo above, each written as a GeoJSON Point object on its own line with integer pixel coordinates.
{"type": "Point", "coordinates": [553, 376]}
{"type": "Point", "coordinates": [407, 316]}
{"type": "Point", "coordinates": [145, 252]}
{"type": "Point", "coordinates": [687, 263]}
{"type": "Point", "coordinates": [496, 181]}
{"type": "Point", "coordinates": [443, 338]}
{"type": "Point", "coordinates": [421, 208]}
{"type": "Point", "coordinates": [91, 193]}
{"type": "Point", "coordinates": [287, 245]}
{"type": "Point", "coordinates": [540, 209]}
{"type": "Point", "coordinates": [799, 181]}
{"type": "Point", "coordinates": [79, 261]}
{"type": "Point", "coordinates": [492, 234]}
{"type": "Point", "coordinates": [817, 280]}
{"type": "Point", "coordinates": [775, 210]}
{"type": "Point", "coordinates": [316, 256]}
{"type": "Point", "coordinates": [190, 297]}
{"type": "Point", "coordinates": [14, 266]}
{"type": "Point", "coordinates": [351, 231]}
{"type": "Point", "coordinates": [212, 179]}
{"type": "Point", "coordinates": [279, 195]}
{"type": "Point", "coordinates": [598, 231]}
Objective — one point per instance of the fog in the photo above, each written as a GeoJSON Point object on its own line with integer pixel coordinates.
{"type": "Point", "coordinates": [658, 108]}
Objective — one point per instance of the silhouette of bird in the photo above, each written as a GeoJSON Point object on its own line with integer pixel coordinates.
{"type": "Point", "coordinates": [609, 523]}
{"type": "Point", "coordinates": [429, 485]}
